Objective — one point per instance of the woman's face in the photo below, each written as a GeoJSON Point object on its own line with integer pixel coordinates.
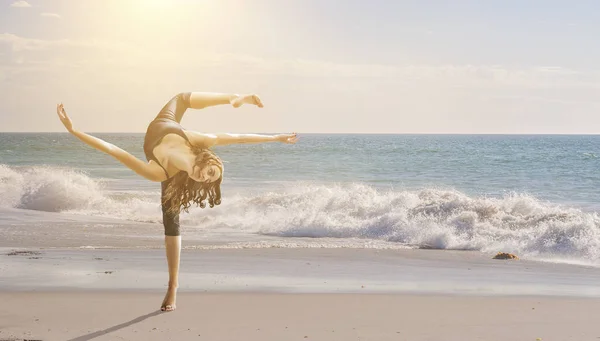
{"type": "Point", "coordinates": [208, 173]}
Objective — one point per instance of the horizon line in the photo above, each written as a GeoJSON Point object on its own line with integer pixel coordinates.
{"type": "Point", "coordinates": [310, 133]}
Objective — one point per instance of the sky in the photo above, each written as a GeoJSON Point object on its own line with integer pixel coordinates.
{"type": "Point", "coordinates": [319, 66]}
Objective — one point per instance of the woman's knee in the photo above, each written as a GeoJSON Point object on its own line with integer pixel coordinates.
{"type": "Point", "coordinates": [172, 232]}
{"type": "Point", "coordinates": [184, 97]}
{"type": "Point", "coordinates": [171, 227]}
{"type": "Point", "coordinates": [170, 222]}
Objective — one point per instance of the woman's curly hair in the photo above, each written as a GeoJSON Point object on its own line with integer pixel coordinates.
{"type": "Point", "coordinates": [183, 190]}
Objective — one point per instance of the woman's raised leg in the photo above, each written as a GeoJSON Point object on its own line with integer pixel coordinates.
{"type": "Point", "coordinates": [199, 100]}
{"type": "Point", "coordinates": [176, 107]}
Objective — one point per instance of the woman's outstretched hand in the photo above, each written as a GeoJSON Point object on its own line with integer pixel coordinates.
{"type": "Point", "coordinates": [287, 138]}
{"type": "Point", "coordinates": [247, 99]}
{"type": "Point", "coordinates": [64, 118]}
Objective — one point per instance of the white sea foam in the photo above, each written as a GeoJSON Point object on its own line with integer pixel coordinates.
{"type": "Point", "coordinates": [52, 189]}
{"type": "Point", "coordinates": [434, 218]}
{"type": "Point", "coordinates": [47, 189]}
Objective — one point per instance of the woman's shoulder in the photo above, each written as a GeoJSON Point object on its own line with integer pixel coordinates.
{"type": "Point", "coordinates": [198, 139]}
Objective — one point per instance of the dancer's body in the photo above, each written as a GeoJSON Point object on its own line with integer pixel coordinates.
{"type": "Point", "coordinates": [181, 160]}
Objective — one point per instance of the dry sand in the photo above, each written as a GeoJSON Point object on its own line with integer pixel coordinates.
{"type": "Point", "coordinates": [263, 316]}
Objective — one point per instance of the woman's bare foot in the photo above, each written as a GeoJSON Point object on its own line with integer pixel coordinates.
{"type": "Point", "coordinates": [247, 99]}
{"type": "Point", "coordinates": [168, 303]}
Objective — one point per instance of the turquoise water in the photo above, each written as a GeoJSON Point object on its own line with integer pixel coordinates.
{"type": "Point", "coordinates": [562, 169]}
{"type": "Point", "coordinates": [537, 195]}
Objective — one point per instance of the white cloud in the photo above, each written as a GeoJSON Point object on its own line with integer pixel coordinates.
{"type": "Point", "coordinates": [119, 55]}
{"type": "Point", "coordinates": [50, 15]}
{"type": "Point", "coordinates": [20, 3]}
{"type": "Point", "coordinates": [450, 75]}
{"type": "Point", "coordinates": [18, 43]}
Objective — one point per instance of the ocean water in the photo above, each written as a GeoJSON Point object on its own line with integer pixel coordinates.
{"type": "Point", "coordinates": [537, 196]}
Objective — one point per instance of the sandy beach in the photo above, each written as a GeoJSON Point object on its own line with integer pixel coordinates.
{"type": "Point", "coordinates": [259, 316]}
{"type": "Point", "coordinates": [293, 294]}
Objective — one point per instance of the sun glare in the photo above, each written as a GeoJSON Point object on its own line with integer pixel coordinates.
{"type": "Point", "coordinates": [157, 4]}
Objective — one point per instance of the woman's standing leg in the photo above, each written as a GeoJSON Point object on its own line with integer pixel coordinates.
{"type": "Point", "coordinates": [173, 249]}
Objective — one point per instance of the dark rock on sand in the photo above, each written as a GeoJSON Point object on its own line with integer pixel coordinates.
{"type": "Point", "coordinates": [504, 255]}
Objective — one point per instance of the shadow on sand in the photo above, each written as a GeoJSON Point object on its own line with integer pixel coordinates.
{"type": "Point", "coordinates": [117, 327]}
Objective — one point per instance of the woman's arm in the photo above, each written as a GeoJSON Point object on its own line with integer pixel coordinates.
{"type": "Point", "coordinates": [151, 171]}
{"type": "Point", "coordinates": [225, 139]}
{"type": "Point", "coordinates": [209, 140]}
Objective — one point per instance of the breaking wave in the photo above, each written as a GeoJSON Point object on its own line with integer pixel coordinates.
{"type": "Point", "coordinates": [430, 217]}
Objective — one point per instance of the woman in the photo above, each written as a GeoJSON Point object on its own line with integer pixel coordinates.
{"type": "Point", "coordinates": [182, 161]}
